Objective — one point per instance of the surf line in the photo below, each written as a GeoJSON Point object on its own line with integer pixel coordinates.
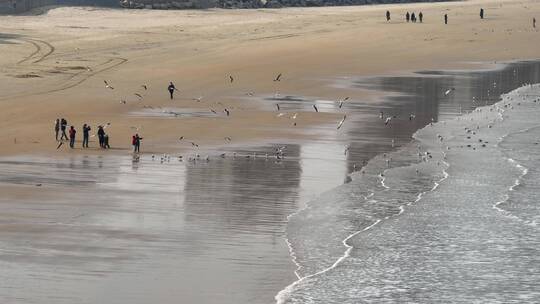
{"type": "Point", "coordinates": [281, 296]}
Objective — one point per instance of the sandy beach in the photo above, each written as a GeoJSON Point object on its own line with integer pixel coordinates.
{"type": "Point", "coordinates": [99, 227]}
{"type": "Point", "coordinates": [54, 64]}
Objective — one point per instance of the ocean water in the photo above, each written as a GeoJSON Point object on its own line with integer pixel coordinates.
{"type": "Point", "coordinates": [456, 225]}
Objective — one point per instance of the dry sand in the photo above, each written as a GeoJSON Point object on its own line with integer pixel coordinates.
{"type": "Point", "coordinates": [44, 75]}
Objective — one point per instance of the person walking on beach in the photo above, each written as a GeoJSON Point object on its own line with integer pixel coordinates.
{"type": "Point", "coordinates": [63, 126]}
{"type": "Point", "coordinates": [445, 19]}
{"type": "Point", "coordinates": [72, 133]}
{"type": "Point", "coordinates": [534, 22]}
{"type": "Point", "coordinates": [481, 13]}
{"type": "Point", "coordinates": [136, 141]}
{"type": "Point", "coordinates": [387, 16]}
{"type": "Point", "coordinates": [171, 89]}
{"type": "Point", "coordinates": [86, 135]}
{"type": "Point", "coordinates": [420, 16]}
{"type": "Point", "coordinates": [413, 17]}
{"type": "Point", "coordinates": [407, 16]}
{"type": "Point", "coordinates": [57, 128]}
{"type": "Point", "coordinates": [101, 136]}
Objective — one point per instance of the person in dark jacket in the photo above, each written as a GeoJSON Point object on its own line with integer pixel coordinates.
{"type": "Point", "coordinates": [171, 89]}
{"type": "Point", "coordinates": [63, 126]}
{"type": "Point", "coordinates": [57, 128]}
{"type": "Point", "coordinates": [445, 19]}
{"type": "Point", "coordinates": [387, 15]}
{"type": "Point", "coordinates": [481, 13]}
{"type": "Point", "coordinates": [86, 135]}
{"type": "Point", "coordinates": [407, 16]}
{"type": "Point", "coordinates": [421, 17]}
{"type": "Point", "coordinates": [101, 136]}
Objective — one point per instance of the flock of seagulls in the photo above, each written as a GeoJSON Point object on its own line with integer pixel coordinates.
{"type": "Point", "coordinates": [279, 151]}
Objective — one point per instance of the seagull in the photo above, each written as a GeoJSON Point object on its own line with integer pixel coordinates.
{"type": "Point", "coordinates": [89, 69]}
{"type": "Point", "coordinates": [213, 111]}
{"type": "Point", "coordinates": [194, 144]}
{"type": "Point", "coordinates": [250, 93]}
{"type": "Point", "coordinates": [198, 99]}
{"type": "Point", "coordinates": [277, 105]}
{"type": "Point", "coordinates": [342, 100]}
{"type": "Point", "coordinates": [449, 91]}
{"type": "Point", "coordinates": [228, 139]}
{"type": "Point", "coordinates": [181, 137]}
{"type": "Point", "coordinates": [280, 114]}
{"type": "Point", "coordinates": [145, 87]}
{"type": "Point", "coordinates": [278, 78]}
{"type": "Point", "coordinates": [227, 111]}
{"type": "Point", "coordinates": [122, 101]}
{"type": "Point", "coordinates": [341, 122]}
{"type": "Point", "coordinates": [107, 85]}
{"type": "Point", "coordinates": [388, 119]}
{"type": "Point", "coordinates": [138, 95]}
{"type": "Point", "coordinates": [315, 107]}
{"type": "Point", "coordinates": [294, 116]}
{"type": "Point", "coordinates": [231, 78]}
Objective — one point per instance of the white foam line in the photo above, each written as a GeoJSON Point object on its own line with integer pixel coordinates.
{"type": "Point", "coordinates": [281, 296]}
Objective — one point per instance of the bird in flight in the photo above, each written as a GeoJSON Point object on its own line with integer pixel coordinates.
{"type": "Point", "coordinates": [341, 122]}
{"type": "Point", "coordinates": [107, 85]}
{"type": "Point", "coordinates": [341, 101]}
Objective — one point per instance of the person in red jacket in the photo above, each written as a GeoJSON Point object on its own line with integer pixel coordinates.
{"type": "Point", "coordinates": [136, 142]}
{"type": "Point", "coordinates": [72, 133]}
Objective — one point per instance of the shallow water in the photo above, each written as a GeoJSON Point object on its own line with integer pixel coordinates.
{"type": "Point", "coordinates": [466, 231]}
{"type": "Point", "coordinates": [106, 229]}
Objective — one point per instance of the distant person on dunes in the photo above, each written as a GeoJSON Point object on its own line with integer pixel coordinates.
{"type": "Point", "coordinates": [387, 16]}
{"type": "Point", "coordinates": [171, 89]}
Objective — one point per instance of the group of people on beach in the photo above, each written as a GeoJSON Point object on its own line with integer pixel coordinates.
{"type": "Point", "coordinates": [411, 17]}
{"type": "Point", "coordinates": [60, 127]}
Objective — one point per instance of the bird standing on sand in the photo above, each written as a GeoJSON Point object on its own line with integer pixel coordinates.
{"type": "Point", "coordinates": [227, 112]}
{"type": "Point", "coordinates": [231, 79]}
{"type": "Point", "coordinates": [145, 87]}
{"type": "Point", "coordinates": [341, 122]}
